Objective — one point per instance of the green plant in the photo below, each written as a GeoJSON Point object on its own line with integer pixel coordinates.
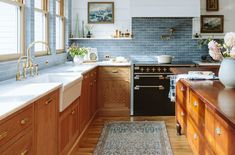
{"type": "Point", "coordinates": [74, 50]}
{"type": "Point", "coordinates": [204, 42]}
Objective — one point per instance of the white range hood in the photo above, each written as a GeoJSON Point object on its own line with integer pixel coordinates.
{"type": "Point", "coordinates": [165, 8]}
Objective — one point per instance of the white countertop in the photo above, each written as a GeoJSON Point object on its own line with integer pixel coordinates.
{"type": "Point", "coordinates": [15, 95]}
{"type": "Point", "coordinates": [200, 63]}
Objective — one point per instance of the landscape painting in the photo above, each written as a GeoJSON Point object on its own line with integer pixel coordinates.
{"type": "Point", "coordinates": [212, 24]}
{"type": "Point", "coordinates": [100, 12]}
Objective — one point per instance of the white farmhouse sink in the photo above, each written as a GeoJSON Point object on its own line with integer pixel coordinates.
{"type": "Point", "coordinates": [71, 89]}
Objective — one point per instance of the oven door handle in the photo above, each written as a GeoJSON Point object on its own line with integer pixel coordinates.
{"type": "Point", "coordinates": [160, 87]}
{"type": "Point", "coordinates": [137, 77]}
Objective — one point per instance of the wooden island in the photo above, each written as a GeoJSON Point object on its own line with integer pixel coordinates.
{"type": "Point", "coordinates": [205, 113]}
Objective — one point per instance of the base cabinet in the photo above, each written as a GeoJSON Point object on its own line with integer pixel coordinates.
{"type": "Point", "coordinates": [46, 124]}
{"type": "Point", "coordinates": [114, 91]}
{"type": "Point", "coordinates": [208, 133]}
{"type": "Point", "coordinates": [68, 127]}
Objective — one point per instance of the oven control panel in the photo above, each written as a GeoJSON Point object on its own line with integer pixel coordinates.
{"type": "Point", "coordinates": [152, 69]}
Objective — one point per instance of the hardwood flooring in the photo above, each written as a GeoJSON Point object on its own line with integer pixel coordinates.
{"type": "Point", "coordinates": [88, 143]}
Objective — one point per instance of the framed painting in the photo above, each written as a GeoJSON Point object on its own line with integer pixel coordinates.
{"type": "Point", "coordinates": [212, 24]}
{"type": "Point", "coordinates": [100, 12]}
{"type": "Point", "coordinates": [212, 5]}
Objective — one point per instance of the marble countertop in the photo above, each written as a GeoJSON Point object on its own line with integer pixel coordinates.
{"type": "Point", "coordinates": [15, 95]}
{"type": "Point", "coordinates": [200, 63]}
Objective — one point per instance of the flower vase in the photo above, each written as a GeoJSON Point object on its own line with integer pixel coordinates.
{"type": "Point", "coordinates": [227, 73]}
{"type": "Point", "coordinates": [78, 59]}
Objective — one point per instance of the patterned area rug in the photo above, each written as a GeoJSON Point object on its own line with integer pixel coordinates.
{"type": "Point", "coordinates": [134, 138]}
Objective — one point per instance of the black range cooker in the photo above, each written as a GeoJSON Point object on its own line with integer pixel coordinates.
{"type": "Point", "coordinates": [150, 88]}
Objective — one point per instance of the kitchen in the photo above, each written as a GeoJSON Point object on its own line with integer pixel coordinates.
{"type": "Point", "coordinates": [115, 77]}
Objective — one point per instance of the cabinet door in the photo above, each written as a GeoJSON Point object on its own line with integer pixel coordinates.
{"type": "Point", "coordinates": [84, 102]}
{"type": "Point", "coordinates": [46, 110]}
{"type": "Point", "coordinates": [114, 93]}
{"type": "Point", "coordinates": [224, 137]}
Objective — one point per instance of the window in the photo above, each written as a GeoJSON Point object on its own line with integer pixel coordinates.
{"type": "Point", "coordinates": [60, 37]}
{"type": "Point", "coordinates": [11, 29]}
{"type": "Point", "coordinates": [40, 26]}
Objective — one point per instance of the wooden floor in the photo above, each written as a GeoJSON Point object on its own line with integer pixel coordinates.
{"type": "Point", "coordinates": [179, 143]}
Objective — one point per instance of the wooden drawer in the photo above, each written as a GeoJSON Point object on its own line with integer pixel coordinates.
{"type": "Point", "coordinates": [23, 146]}
{"type": "Point", "coordinates": [181, 118]}
{"type": "Point", "coordinates": [114, 72]}
{"type": "Point", "coordinates": [181, 94]}
{"type": "Point", "coordinates": [209, 127]}
{"type": "Point", "coordinates": [196, 108]}
{"type": "Point", "coordinates": [196, 141]}
{"type": "Point", "coordinates": [14, 125]}
{"type": "Point", "coordinates": [224, 137]}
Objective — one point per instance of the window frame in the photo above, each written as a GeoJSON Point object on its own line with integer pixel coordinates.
{"type": "Point", "coordinates": [44, 10]}
{"type": "Point", "coordinates": [62, 17]}
{"type": "Point", "coordinates": [20, 4]}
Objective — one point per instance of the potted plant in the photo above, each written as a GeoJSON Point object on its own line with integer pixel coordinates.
{"type": "Point", "coordinates": [226, 54]}
{"type": "Point", "coordinates": [78, 53]}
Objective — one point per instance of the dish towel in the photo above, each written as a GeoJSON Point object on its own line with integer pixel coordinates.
{"type": "Point", "coordinates": [191, 76]}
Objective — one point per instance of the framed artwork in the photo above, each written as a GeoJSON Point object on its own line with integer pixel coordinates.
{"type": "Point", "coordinates": [100, 12]}
{"type": "Point", "coordinates": [212, 24]}
{"type": "Point", "coordinates": [212, 5]}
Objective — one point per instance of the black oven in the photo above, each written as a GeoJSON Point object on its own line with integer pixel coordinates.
{"type": "Point", "coordinates": [150, 89]}
{"type": "Point", "coordinates": [151, 92]}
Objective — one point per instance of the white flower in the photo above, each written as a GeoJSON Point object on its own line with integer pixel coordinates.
{"type": "Point", "coordinates": [229, 39]}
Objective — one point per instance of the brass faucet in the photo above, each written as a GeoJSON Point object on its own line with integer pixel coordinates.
{"type": "Point", "coordinates": [28, 64]}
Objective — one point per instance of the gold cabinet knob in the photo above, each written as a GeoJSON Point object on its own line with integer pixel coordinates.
{"type": "Point", "coordinates": [48, 101]}
{"type": "Point", "coordinates": [195, 104]}
{"type": "Point", "coordinates": [182, 89]}
{"type": "Point", "coordinates": [25, 152]}
{"type": "Point", "coordinates": [24, 121]}
{"type": "Point", "coordinates": [182, 113]}
{"type": "Point", "coordinates": [73, 112]}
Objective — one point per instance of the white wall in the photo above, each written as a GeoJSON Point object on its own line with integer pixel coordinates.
{"type": "Point", "coordinates": [165, 8]}
{"type": "Point", "coordinates": [122, 17]}
{"type": "Point", "coordinates": [226, 8]}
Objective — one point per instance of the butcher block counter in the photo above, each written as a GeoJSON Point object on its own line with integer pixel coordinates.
{"type": "Point", "coordinates": [205, 113]}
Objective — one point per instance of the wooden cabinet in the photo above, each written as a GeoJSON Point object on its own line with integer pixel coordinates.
{"type": "Point", "coordinates": [114, 90]}
{"type": "Point", "coordinates": [23, 146]}
{"type": "Point", "coordinates": [88, 102]}
{"type": "Point", "coordinates": [68, 127]}
{"type": "Point", "coordinates": [16, 133]}
{"type": "Point", "coordinates": [208, 131]}
{"type": "Point", "coordinates": [46, 126]}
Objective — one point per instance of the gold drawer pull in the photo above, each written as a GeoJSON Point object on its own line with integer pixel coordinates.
{"type": "Point", "coordinates": [24, 152]}
{"type": "Point", "coordinates": [195, 136]}
{"type": "Point", "coordinates": [73, 112]}
{"type": "Point", "coordinates": [115, 71]}
{"type": "Point", "coordinates": [218, 131]}
{"type": "Point", "coordinates": [24, 121]}
{"type": "Point", "coordinates": [48, 101]}
{"type": "Point", "coordinates": [3, 134]}
{"type": "Point", "coordinates": [195, 104]}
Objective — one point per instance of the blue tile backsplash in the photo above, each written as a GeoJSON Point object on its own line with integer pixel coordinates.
{"type": "Point", "coordinates": [147, 40]}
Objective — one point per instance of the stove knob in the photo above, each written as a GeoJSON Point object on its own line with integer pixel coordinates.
{"type": "Point", "coordinates": [142, 69]}
{"type": "Point", "coordinates": [164, 69]}
{"type": "Point", "coordinates": [153, 69]}
{"type": "Point", "coordinates": [159, 69]}
{"type": "Point", "coordinates": [147, 69]}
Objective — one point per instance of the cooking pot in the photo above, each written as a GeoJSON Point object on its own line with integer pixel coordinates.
{"type": "Point", "coordinates": [164, 59]}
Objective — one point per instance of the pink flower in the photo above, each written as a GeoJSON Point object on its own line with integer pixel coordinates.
{"type": "Point", "coordinates": [229, 39]}
{"type": "Point", "coordinates": [215, 50]}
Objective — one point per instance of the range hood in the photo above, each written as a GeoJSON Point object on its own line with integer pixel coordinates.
{"type": "Point", "coordinates": [165, 8]}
